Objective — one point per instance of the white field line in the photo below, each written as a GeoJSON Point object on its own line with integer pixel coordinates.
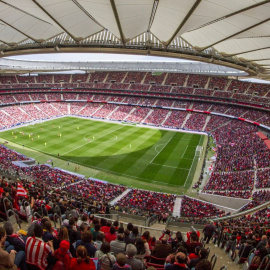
{"type": "Point", "coordinates": [157, 146]}
{"type": "Point", "coordinates": [191, 164]}
{"type": "Point", "coordinates": [90, 142]}
{"type": "Point", "coordinates": [170, 166]}
{"type": "Point", "coordinates": [161, 150]}
{"type": "Point", "coordinates": [184, 152]}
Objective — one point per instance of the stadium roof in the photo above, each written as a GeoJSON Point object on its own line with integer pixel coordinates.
{"type": "Point", "coordinates": [234, 33]}
{"type": "Point", "coordinates": [108, 62]}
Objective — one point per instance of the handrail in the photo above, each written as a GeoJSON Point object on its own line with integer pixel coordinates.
{"type": "Point", "coordinates": [268, 264]}
{"type": "Point", "coordinates": [254, 209]}
{"type": "Point", "coordinates": [213, 261]}
{"type": "Point", "coordinates": [109, 216]}
{"type": "Point", "coordinates": [57, 217]}
{"type": "Point", "coordinates": [37, 214]}
{"type": "Point", "coordinates": [142, 228]}
{"type": "Point", "coordinates": [9, 202]}
{"type": "Point", "coordinates": [57, 210]}
{"type": "Point", "coordinates": [16, 217]}
{"type": "Point", "coordinates": [43, 208]}
{"type": "Point", "coordinates": [264, 260]}
{"type": "Point", "coordinates": [151, 220]}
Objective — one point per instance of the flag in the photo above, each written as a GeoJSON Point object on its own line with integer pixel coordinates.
{"type": "Point", "coordinates": [49, 160]}
{"type": "Point", "coordinates": [21, 191]}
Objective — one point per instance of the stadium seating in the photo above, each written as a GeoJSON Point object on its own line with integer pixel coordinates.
{"type": "Point", "coordinates": [195, 208]}
{"type": "Point", "coordinates": [242, 163]}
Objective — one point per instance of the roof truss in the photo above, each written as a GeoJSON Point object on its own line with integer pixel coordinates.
{"type": "Point", "coordinates": [193, 8]}
{"type": "Point", "coordinates": [18, 30]}
{"type": "Point", "coordinates": [232, 14]}
{"type": "Point", "coordinates": [116, 16]}
{"type": "Point", "coordinates": [235, 34]}
{"type": "Point", "coordinates": [60, 25]}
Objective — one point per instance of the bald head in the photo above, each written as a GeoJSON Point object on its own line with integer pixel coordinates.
{"type": "Point", "coordinates": [181, 257]}
{"type": "Point", "coordinates": [264, 238]}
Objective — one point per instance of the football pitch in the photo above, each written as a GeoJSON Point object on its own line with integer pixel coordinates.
{"type": "Point", "coordinates": [125, 154]}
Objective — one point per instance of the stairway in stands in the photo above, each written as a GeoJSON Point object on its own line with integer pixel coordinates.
{"type": "Point", "coordinates": [113, 202]}
{"type": "Point", "coordinates": [177, 207]}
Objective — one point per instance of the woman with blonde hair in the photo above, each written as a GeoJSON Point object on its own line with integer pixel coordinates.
{"type": "Point", "coordinates": [82, 262]}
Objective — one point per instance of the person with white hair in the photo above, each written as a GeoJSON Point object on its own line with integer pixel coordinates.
{"type": "Point", "coordinates": [135, 264]}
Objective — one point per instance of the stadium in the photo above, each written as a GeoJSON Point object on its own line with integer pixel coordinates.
{"type": "Point", "coordinates": [134, 133]}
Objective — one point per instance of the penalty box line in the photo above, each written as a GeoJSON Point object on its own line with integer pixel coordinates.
{"type": "Point", "coordinates": [160, 150]}
{"type": "Point", "coordinates": [151, 162]}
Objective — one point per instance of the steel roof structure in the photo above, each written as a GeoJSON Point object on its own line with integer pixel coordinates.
{"type": "Point", "coordinates": [24, 66]}
{"type": "Point", "coordinates": [233, 33]}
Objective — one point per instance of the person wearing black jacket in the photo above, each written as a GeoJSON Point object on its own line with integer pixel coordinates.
{"type": "Point", "coordinates": [14, 239]}
{"type": "Point", "coordinates": [208, 231]}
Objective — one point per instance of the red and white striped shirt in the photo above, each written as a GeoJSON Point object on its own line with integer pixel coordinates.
{"type": "Point", "coordinates": [37, 252]}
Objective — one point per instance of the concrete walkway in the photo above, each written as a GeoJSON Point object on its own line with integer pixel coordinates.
{"type": "Point", "coordinates": [113, 202]}
{"type": "Point", "coordinates": [177, 207]}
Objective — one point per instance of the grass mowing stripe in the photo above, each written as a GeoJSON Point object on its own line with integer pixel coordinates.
{"type": "Point", "coordinates": [117, 154]}
{"type": "Point", "coordinates": [160, 150]}
{"type": "Point", "coordinates": [123, 152]}
{"type": "Point", "coordinates": [94, 140]}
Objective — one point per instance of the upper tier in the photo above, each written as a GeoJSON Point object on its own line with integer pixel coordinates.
{"type": "Point", "coordinates": [186, 84]}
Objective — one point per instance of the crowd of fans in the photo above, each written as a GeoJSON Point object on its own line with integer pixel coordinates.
{"type": "Point", "coordinates": [239, 86]}
{"type": "Point", "coordinates": [139, 87]}
{"type": "Point", "coordinates": [217, 83]}
{"type": "Point", "coordinates": [105, 111]}
{"type": "Point", "coordinates": [69, 96]}
{"type": "Point", "coordinates": [222, 94]}
{"type": "Point", "coordinates": [160, 89]}
{"type": "Point", "coordinates": [156, 117]}
{"type": "Point", "coordinates": [201, 106]}
{"type": "Point", "coordinates": [203, 92]}
{"type": "Point", "coordinates": [195, 121]}
{"type": "Point", "coordinates": [242, 97]}
{"type": "Point", "coordinates": [98, 192]}
{"type": "Point", "coordinates": [215, 121]}
{"type": "Point", "coordinates": [238, 146]}
{"type": "Point", "coordinates": [197, 80]}
{"type": "Point", "coordinates": [154, 79]}
{"type": "Point", "coordinates": [119, 86]}
{"type": "Point", "coordinates": [88, 242]}
{"type": "Point", "coordinates": [183, 90]}
{"type": "Point", "coordinates": [138, 115]}
{"type": "Point", "coordinates": [231, 181]}
{"type": "Point", "coordinates": [263, 177]}
{"type": "Point", "coordinates": [245, 194]}
{"type": "Point", "coordinates": [195, 208]}
{"type": "Point", "coordinates": [121, 113]}
{"type": "Point", "coordinates": [139, 200]}
{"type": "Point", "coordinates": [176, 79]}
{"type": "Point", "coordinates": [175, 119]}
{"type": "Point", "coordinates": [134, 77]}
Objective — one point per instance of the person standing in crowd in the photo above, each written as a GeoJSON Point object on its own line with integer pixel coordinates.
{"type": "Point", "coordinates": [208, 231]}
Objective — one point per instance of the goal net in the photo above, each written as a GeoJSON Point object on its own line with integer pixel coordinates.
{"type": "Point", "coordinates": [198, 151]}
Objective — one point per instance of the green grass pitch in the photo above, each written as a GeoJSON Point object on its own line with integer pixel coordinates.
{"type": "Point", "coordinates": [114, 150]}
